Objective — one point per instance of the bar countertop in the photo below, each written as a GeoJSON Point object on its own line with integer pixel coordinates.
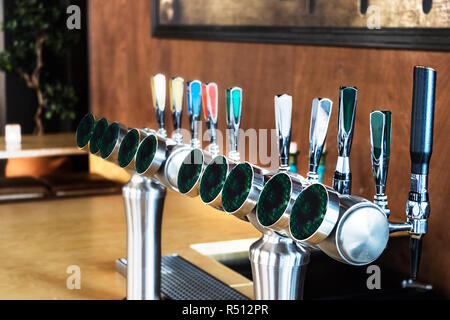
{"type": "Point", "coordinates": [40, 240]}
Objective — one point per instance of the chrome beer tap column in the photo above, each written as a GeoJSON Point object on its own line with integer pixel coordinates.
{"type": "Point", "coordinates": [342, 181]}
{"type": "Point", "coordinates": [421, 147]}
{"type": "Point", "coordinates": [380, 142]}
{"type": "Point", "coordinates": [144, 202]}
{"type": "Point", "coordinates": [278, 263]}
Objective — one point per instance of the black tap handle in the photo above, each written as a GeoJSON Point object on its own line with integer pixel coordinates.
{"type": "Point", "coordinates": [422, 119]}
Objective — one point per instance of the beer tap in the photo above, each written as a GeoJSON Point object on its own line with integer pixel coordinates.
{"type": "Point", "coordinates": [278, 263]}
{"type": "Point", "coordinates": [211, 115]}
{"type": "Point", "coordinates": [380, 141]}
{"type": "Point", "coordinates": [283, 118]}
{"type": "Point", "coordinates": [320, 118]}
{"type": "Point", "coordinates": [158, 84]}
{"type": "Point", "coordinates": [234, 113]}
{"type": "Point", "coordinates": [194, 101]}
{"type": "Point", "coordinates": [421, 147]}
{"type": "Point", "coordinates": [342, 181]}
{"type": "Point", "coordinates": [215, 174]}
{"type": "Point", "coordinates": [176, 100]}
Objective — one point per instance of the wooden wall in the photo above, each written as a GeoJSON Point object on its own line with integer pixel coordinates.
{"type": "Point", "coordinates": [123, 57]}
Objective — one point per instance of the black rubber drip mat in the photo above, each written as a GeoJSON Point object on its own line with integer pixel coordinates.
{"type": "Point", "coordinates": [181, 280]}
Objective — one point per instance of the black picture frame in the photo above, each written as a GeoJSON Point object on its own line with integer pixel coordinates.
{"type": "Point", "coordinates": [436, 39]}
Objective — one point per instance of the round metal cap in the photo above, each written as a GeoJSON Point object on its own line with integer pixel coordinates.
{"type": "Point", "coordinates": [362, 234]}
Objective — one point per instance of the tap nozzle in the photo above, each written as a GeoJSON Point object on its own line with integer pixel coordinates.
{"type": "Point", "coordinates": [380, 142]}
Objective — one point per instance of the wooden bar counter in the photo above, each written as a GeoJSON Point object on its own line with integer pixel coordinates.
{"type": "Point", "coordinates": [40, 240]}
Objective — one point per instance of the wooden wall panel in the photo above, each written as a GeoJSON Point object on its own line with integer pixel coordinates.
{"type": "Point", "coordinates": [123, 57]}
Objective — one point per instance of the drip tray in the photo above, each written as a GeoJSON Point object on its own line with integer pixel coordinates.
{"type": "Point", "coordinates": [181, 280]}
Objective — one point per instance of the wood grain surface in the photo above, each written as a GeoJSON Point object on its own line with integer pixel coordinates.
{"type": "Point", "coordinates": [40, 240]}
{"type": "Point", "coordinates": [48, 145]}
{"type": "Point", "coordinates": [124, 55]}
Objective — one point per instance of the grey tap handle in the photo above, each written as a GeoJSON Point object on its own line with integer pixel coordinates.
{"type": "Point", "coordinates": [176, 99]}
{"type": "Point", "coordinates": [380, 143]}
{"type": "Point", "coordinates": [234, 114]}
{"type": "Point", "coordinates": [342, 181]}
{"type": "Point", "coordinates": [158, 85]}
{"type": "Point", "coordinates": [320, 118]}
{"type": "Point", "coordinates": [283, 121]}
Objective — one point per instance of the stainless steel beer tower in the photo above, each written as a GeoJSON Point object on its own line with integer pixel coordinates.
{"type": "Point", "coordinates": [278, 264]}
{"type": "Point", "coordinates": [144, 203]}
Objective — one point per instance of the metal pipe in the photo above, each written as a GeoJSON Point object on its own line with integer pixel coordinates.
{"type": "Point", "coordinates": [144, 202]}
{"type": "Point", "coordinates": [278, 268]}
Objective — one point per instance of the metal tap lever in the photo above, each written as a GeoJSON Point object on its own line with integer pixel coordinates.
{"type": "Point", "coordinates": [342, 181]}
{"type": "Point", "coordinates": [380, 142]}
{"type": "Point", "coordinates": [421, 146]}
{"type": "Point", "coordinates": [176, 100]}
{"type": "Point", "coordinates": [320, 118]}
{"type": "Point", "coordinates": [158, 84]}
{"type": "Point", "coordinates": [234, 113]}
{"type": "Point", "coordinates": [194, 102]}
{"type": "Point", "coordinates": [211, 112]}
{"type": "Point", "coordinates": [283, 121]}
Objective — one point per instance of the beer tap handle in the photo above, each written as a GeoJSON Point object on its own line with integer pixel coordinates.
{"type": "Point", "coordinates": [320, 118]}
{"type": "Point", "coordinates": [283, 121]}
{"type": "Point", "coordinates": [212, 94]}
{"type": "Point", "coordinates": [194, 96]}
{"type": "Point", "coordinates": [234, 114]}
{"type": "Point", "coordinates": [342, 181]}
{"type": "Point", "coordinates": [421, 147]}
{"type": "Point", "coordinates": [158, 85]}
{"type": "Point", "coordinates": [380, 142]}
{"type": "Point", "coordinates": [176, 99]}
